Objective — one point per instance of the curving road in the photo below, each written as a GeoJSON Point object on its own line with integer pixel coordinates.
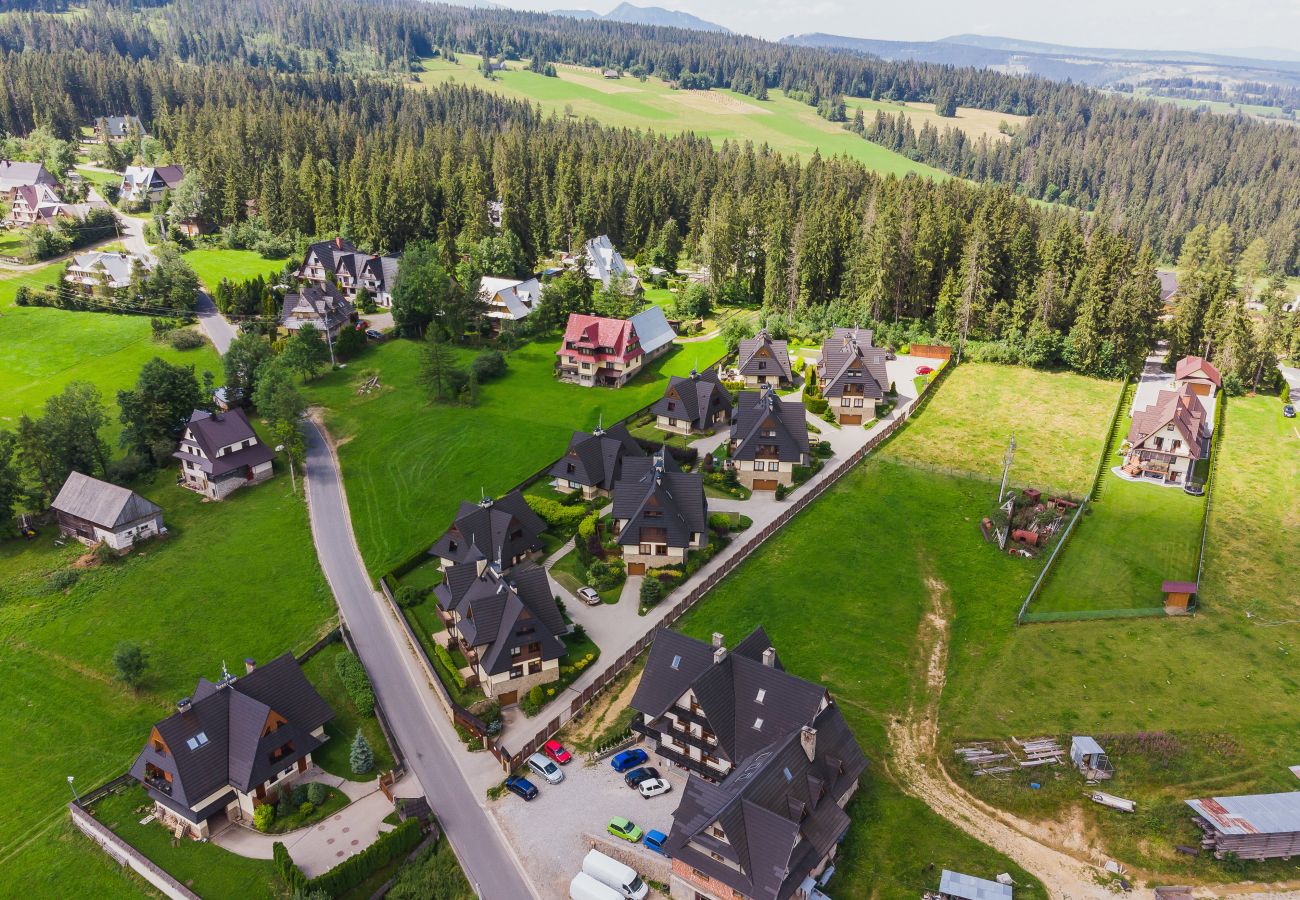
{"type": "Point", "coordinates": [420, 727]}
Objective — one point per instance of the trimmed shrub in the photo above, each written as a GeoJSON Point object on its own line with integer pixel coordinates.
{"type": "Point", "coordinates": [822, 449]}
{"type": "Point", "coordinates": [353, 676]}
{"type": "Point", "coordinates": [556, 515]}
{"type": "Point", "coordinates": [299, 794]}
{"type": "Point", "coordinates": [652, 591]}
{"type": "Point", "coordinates": [410, 595]}
{"type": "Point", "coordinates": [316, 793]}
{"type": "Point", "coordinates": [286, 868]}
{"type": "Point", "coordinates": [351, 872]}
{"type": "Point", "coordinates": [263, 816]}
{"type": "Point", "coordinates": [306, 808]}
{"type": "Point", "coordinates": [185, 339]}
{"type": "Point", "coordinates": [781, 491]}
{"type": "Point", "coordinates": [443, 655]}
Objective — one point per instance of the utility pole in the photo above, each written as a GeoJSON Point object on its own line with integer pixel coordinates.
{"type": "Point", "coordinates": [1006, 468]}
{"type": "Point", "coordinates": [75, 795]}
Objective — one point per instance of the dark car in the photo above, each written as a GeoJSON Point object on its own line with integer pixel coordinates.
{"type": "Point", "coordinates": [374, 335]}
{"type": "Point", "coordinates": [1289, 411]}
{"type": "Point", "coordinates": [636, 776]}
{"type": "Point", "coordinates": [628, 759]}
{"type": "Point", "coordinates": [521, 787]}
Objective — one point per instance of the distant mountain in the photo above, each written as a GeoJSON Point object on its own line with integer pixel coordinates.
{"type": "Point", "coordinates": [645, 15]}
{"type": "Point", "coordinates": [1267, 53]}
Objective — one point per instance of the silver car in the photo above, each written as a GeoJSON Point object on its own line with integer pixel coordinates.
{"type": "Point", "coordinates": [589, 596]}
{"type": "Point", "coordinates": [546, 768]}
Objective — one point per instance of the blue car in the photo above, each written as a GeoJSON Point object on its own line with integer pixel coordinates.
{"type": "Point", "coordinates": [521, 787]}
{"type": "Point", "coordinates": [655, 841]}
{"type": "Point", "coordinates": [1289, 411]}
{"type": "Point", "coordinates": [628, 759]}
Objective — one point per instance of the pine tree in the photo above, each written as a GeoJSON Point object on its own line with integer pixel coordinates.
{"type": "Point", "coordinates": [362, 757]}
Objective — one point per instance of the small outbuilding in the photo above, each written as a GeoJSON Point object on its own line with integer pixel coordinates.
{"type": "Point", "coordinates": [956, 886]}
{"type": "Point", "coordinates": [1089, 758]}
{"type": "Point", "coordinates": [1255, 826]}
{"type": "Point", "coordinates": [92, 511]}
{"type": "Point", "coordinates": [1178, 596]}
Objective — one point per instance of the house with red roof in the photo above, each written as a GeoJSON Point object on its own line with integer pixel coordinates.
{"type": "Point", "coordinates": [599, 351]}
{"type": "Point", "coordinates": [1168, 437]}
{"type": "Point", "coordinates": [1198, 375]}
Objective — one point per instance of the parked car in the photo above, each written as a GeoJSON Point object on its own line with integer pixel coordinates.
{"type": "Point", "coordinates": [521, 787]}
{"type": "Point", "coordinates": [614, 874]}
{"type": "Point", "coordinates": [589, 596]}
{"type": "Point", "coordinates": [1289, 411]}
{"type": "Point", "coordinates": [623, 828]}
{"type": "Point", "coordinates": [546, 768]}
{"type": "Point", "coordinates": [653, 787]}
{"type": "Point", "coordinates": [924, 370]}
{"type": "Point", "coordinates": [636, 776]}
{"type": "Point", "coordinates": [890, 353]}
{"type": "Point", "coordinates": [584, 887]}
{"type": "Point", "coordinates": [555, 750]}
{"type": "Point", "coordinates": [374, 335]}
{"type": "Point", "coordinates": [628, 759]}
{"type": "Point", "coordinates": [655, 840]}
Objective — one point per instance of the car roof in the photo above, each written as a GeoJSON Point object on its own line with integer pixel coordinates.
{"type": "Point", "coordinates": [552, 743]}
{"type": "Point", "coordinates": [620, 821]}
{"type": "Point", "coordinates": [540, 760]}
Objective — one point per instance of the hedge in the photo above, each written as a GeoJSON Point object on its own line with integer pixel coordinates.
{"type": "Point", "coordinates": [353, 676]}
{"type": "Point", "coordinates": [351, 872]}
{"type": "Point", "coordinates": [286, 868]}
{"type": "Point", "coordinates": [555, 514]}
{"type": "Point", "coordinates": [448, 664]}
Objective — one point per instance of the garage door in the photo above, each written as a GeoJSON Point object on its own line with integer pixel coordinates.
{"type": "Point", "coordinates": [508, 698]}
{"type": "Point", "coordinates": [1201, 390]}
{"type": "Point", "coordinates": [764, 484]}
{"type": "Point", "coordinates": [636, 568]}
{"type": "Point", "coordinates": [855, 419]}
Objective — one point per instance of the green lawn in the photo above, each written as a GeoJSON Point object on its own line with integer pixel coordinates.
{"type": "Point", "coordinates": [572, 575]}
{"type": "Point", "coordinates": [13, 242]}
{"type": "Point", "coordinates": [409, 463]}
{"type": "Point", "coordinates": [335, 756]}
{"type": "Point", "coordinates": [783, 124]}
{"type": "Point", "coordinates": [100, 180]}
{"type": "Point", "coordinates": [187, 600]}
{"type": "Point", "coordinates": [236, 265]}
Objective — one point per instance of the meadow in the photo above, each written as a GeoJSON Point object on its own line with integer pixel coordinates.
{"type": "Point", "coordinates": [212, 265]}
{"type": "Point", "coordinates": [974, 123]}
{"type": "Point", "coordinates": [782, 123]}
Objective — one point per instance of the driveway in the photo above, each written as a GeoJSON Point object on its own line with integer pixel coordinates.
{"type": "Point", "coordinates": [1292, 376]}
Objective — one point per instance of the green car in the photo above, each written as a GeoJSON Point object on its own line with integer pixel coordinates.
{"type": "Point", "coordinates": [622, 828]}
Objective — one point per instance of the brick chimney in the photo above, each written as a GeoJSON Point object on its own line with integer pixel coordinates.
{"type": "Point", "coordinates": [719, 654]}
{"type": "Point", "coordinates": [717, 639]}
{"type": "Point", "coordinates": [769, 657]}
{"type": "Point", "coordinates": [808, 740]}
{"type": "Point", "coordinates": [249, 665]}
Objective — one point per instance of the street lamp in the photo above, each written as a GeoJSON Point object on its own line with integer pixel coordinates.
{"type": "Point", "coordinates": [75, 795]}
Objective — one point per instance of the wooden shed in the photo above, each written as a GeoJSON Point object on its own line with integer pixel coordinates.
{"type": "Point", "coordinates": [1178, 596]}
{"type": "Point", "coordinates": [1258, 826]}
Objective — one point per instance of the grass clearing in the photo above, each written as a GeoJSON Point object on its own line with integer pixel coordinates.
{"type": "Point", "coordinates": [335, 756]}
{"type": "Point", "coordinates": [236, 265]}
{"type": "Point", "coordinates": [974, 123]}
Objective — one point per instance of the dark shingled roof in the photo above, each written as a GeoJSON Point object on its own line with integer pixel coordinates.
{"type": "Point", "coordinates": [655, 493]}
{"type": "Point", "coordinates": [761, 348]}
{"type": "Point", "coordinates": [696, 398]}
{"type": "Point", "coordinates": [209, 432]}
{"type": "Point", "coordinates": [849, 358]}
{"type": "Point", "coordinates": [322, 304]}
{"type": "Point", "coordinates": [784, 421]}
{"type": "Point", "coordinates": [103, 504]}
{"type": "Point", "coordinates": [232, 717]}
{"type": "Point", "coordinates": [499, 612]}
{"type": "Point", "coordinates": [501, 529]}
{"type": "Point", "coordinates": [596, 460]}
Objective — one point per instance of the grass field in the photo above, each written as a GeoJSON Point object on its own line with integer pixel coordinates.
{"type": "Point", "coordinates": [409, 463]}
{"type": "Point", "coordinates": [13, 242]}
{"type": "Point", "coordinates": [178, 598]}
{"type": "Point", "coordinates": [237, 265]}
{"type": "Point", "coordinates": [43, 349]}
{"type": "Point", "coordinates": [974, 123]}
{"type": "Point", "coordinates": [783, 124]}
{"type": "Point", "coordinates": [335, 756]}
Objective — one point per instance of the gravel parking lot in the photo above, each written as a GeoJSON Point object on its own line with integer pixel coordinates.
{"type": "Point", "coordinates": [548, 832]}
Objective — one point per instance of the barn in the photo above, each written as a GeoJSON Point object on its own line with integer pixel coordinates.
{"type": "Point", "coordinates": [1254, 826]}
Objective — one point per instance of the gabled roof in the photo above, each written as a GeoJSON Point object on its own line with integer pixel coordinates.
{"type": "Point", "coordinates": [13, 174]}
{"type": "Point", "coordinates": [1251, 813]}
{"type": "Point", "coordinates": [849, 358]}
{"type": "Point", "coordinates": [119, 126]}
{"type": "Point", "coordinates": [1168, 285]}
{"type": "Point", "coordinates": [499, 529]}
{"type": "Point", "coordinates": [103, 504]}
{"type": "Point", "coordinates": [499, 612]}
{"type": "Point", "coordinates": [590, 332]}
{"type": "Point", "coordinates": [144, 176]}
{"type": "Point", "coordinates": [1196, 367]}
{"type": "Point", "coordinates": [603, 261]}
{"type": "Point", "coordinates": [1183, 409]}
{"type": "Point", "coordinates": [761, 348]}
{"type": "Point", "coordinates": [597, 458]}
{"type": "Point", "coordinates": [653, 493]}
{"type": "Point", "coordinates": [325, 251]}
{"type": "Point", "coordinates": [785, 422]}
{"type": "Point", "coordinates": [209, 432]}
{"type": "Point", "coordinates": [117, 266]}
{"type": "Point", "coordinates": [695, 398]}
{"type": "Point", "coordinates": [365, 266]}
{"type": "Point", "coordinates": [652, 329]}
{"type": "Point", "coordinates": [518, 297]}
{"type": "Point", "coordinates": [218, 741]}
{"type": "Point", "coordinates": [317, 302]}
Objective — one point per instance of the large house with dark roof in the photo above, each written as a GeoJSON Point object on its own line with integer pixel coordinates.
{"type": "Point", "coordinates": [1167, 438]}
{"type": "Point", "coordinates": [764, 361]}
{"type": "Point", "coordinates": [693, 404]}
{"type": "Point", "coordinates": [220, 453]}
{"type": "Point", "coordinates": [117, 128]}
{"type": "Point", "coordinates": [320, 305]}
{"type": "Point", "coordinates": [234, 745]}
{"type": "Point", "coordinates": [772, 765]}
{"type": "Point", "coordinates": [853, 375]}
{"type": "Point", "coordinates": [594, 461]}
{"type": "Point", "coordinates": [351, 270]}
{"type": "Point", "coordinates": [769, 437]}
{"type": "Point", "coordinates": [505, 531]}
{"type": "Point", "coordinates": [14, 175]}
{"type": "Point", "coordinates": [660, 513]}
{"type": "Point", "coordinates": [94, 511]}
{"type": "Point", "coordinates": [508, 626]}
{"type": "Point", "coordinates": [146, 184]}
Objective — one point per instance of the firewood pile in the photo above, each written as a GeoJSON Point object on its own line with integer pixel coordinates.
{"type": "Point", "coordinates": [1000, 757]}
{"type": "Point", "coordinates": [369, 385]}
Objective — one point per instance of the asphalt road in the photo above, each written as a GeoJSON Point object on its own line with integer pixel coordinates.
{"type": "Point", "coordinates": [214, 324]}
{"type": "Point", "coordinates": [419, 725]}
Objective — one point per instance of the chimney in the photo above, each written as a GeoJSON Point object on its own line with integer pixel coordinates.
{"type": "Point", "coordinates": [183, 705]}
{"type": "Point", "coordinates": [338, 241]}
{"type": "Point", "coordinates": [482, 566]}
{"type": "Point", "coordinates": [717, 639]}
{"type": "Point", "coordinates": [808, 740]}
{"type": "Point", "coordinates": [719, 654]}
{"type": "Point", "coordinates": [769, 657]}
{"type": "Point", "coordinates": [249, 665]}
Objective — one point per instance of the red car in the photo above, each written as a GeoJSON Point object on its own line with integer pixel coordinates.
{"type": "Point", "coordinates": [923, 370]}
{"type": "Point", "coordinates": [555, 750]}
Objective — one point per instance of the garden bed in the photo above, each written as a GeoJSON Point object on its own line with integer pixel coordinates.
{"type": "Point", "coordinates": [333, 802]}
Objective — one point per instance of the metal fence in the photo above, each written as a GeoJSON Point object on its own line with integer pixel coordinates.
{"type": "Point", "coordinates": [124, 854]}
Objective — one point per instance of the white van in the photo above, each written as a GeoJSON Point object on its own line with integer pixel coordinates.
{"type": "Point", "coordinates": [546, 768]}
{"type": "Point", "coordinates": [584, 887]}
{"type": "Point", "coordinates": [611, 872]}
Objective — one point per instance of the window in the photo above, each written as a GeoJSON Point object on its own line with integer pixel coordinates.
{"type": "Point", "coordinates": [516, 672]}
{"type": "Point", "coordinates": [197, 741]}
{"type": "Point", "coordinates": [646, 549]}
{"type": "Point", "coordinates": [515, 651]}
{"type": "Point", "coordinates": [857, 401]}
{"type": "Point", "coordinates": [758, 724]}
{"type": "Point", "coordinates": [758, 465]}
{"type": "Point", "coordinates": [717, 856]}
{"type": "Point", "coordinates": [671, 406]}
{"type": "Point", "coordinates": [534, 667]}
{"type": "Point", "coordinates": [762, 364]}
{"type": "Point", "coordinates": [718, 833]}
{"type": "Point", "coordinates": [762, 692]}
{"type": "Point", "coordinates": [570, 469]}
{"type": "Point", "coordinates": [844, 401]}
{"type": "Point", "coordinates": [1176, 445]}
{"type": "Point", "coordinates": [677, 662]}
{"type": "Point", "coordinates": [700, 875]}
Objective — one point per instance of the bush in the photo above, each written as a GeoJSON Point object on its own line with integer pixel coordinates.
{"type": "Point", "coordinates": [448, 665]}
{"type": "Point", "coordinates": [104, 554]}
{"type": "Point", "coordinates": [781, 491]}
{"type": "Point", "coordinates": [129, 468]}
{"type": "Point", "coordinates": [353, 676]}
{"type": "Point", "coordinates": [720, 522]}
{"type": "Point", "coordinates": [349, 343]}
{"type": "Point", "coordinates": [409, 595]}
{"type": "Point", "coordinates": [351, 872]}
{"type": "Point", "coordinates": [822, 449]}
{"type": "Point", "coordinates": [488, 366]}
{"type": "Point", "coordinates": [299, 794]}
{"type": "Point", "coordinates": [263, 816]}
{"type": "Point", "coordinates": [285, 867]}
{"type": "Point", "coordinates": [816, 405]}
{"type": "Point", "coordinates": [271, 246]}
{"type": "Point", "coordinates": [556, 515]}
{"type": "Point", "coordinates": [652, 591]}
{"type": "Point", "coordinates": [306, 808]}
{"type": "Point", "coordinates": [284, 808]}
{"type": "Point", "coordinates": [316, 793]}
{"type": "Point", "coordinates": [185, 339]}
{"type": "Point", "coordinates": [62, 580]}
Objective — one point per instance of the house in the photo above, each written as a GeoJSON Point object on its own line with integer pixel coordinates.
{"type": "Point", "coordinates": [1089, 758]}
{"type": "Point", "coordinates": [594, 462]}
{"type": "Point", "coordinates": [220, 452]}
{"type": "Point", "coordinates": [14, 175]}
{"type": "Point", "coordinates": [506, 531]}
{"type": "Point", "coordinates": [605, 264]}
{"type": "Point", "coordinates": [104, 270]}
{"type": "Point", "coordinates": [764, 361]}
{"type": "Point", "coordinates": [1201, 378]}
{"type": "Point", "coordinates": [956, 886]}
{"type": "Point", "coordinates": [653, 331]}
{"type": "Point", "coordinates": [234, 745]}
{"type": "Point", "coordinates": [1168, 286]}
{"type": "Point", "coordinates": [599, 351]}
{"type": "Point", "coordinates": [508, 299]}
{"type": "Point", "coordinates": [771, 764]}
{"type": "Point", "coordinates": [117, 128]}
{"type": "Point", "coordinates": [94, 511]}
{"type": "Point", "coordinates": [507, 626]}
{"type": "Point", "coordinates": [350, 270]}
{"type": "Point", "coordinates": [145, 184]}
{"type": "Point", "coordinates": [320, 305]}
{"type": "Point", "coordinates": [1253, 826]}
{"type": "Point", "coordinates": [660, 512]}
{"type": "Point", "coordinates": [853, 375]}
{"type": "Point", "coordinates": [693, 404]}
{"type": "Point", "coordinates": [496, 213]}
{"type": "Point", "coordinates": [1168, 437]}
{"type": "Point", "coordinates": [769, 437]}
{"type": "Point", "coordinates": [35, 204]}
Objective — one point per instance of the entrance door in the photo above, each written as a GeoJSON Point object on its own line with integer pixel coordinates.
{"type": "Point", "coordinates": [636, 568]}
{"type": "Point", "coordinates": [765, 484]}
{"type": "Point", "coordinates": [855, 419]}
{"type": "Point", "coordinates": [508, 698]}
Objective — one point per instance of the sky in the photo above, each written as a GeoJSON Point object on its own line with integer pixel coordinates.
{"type": "Point", "coordinates": [1129, 24]}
